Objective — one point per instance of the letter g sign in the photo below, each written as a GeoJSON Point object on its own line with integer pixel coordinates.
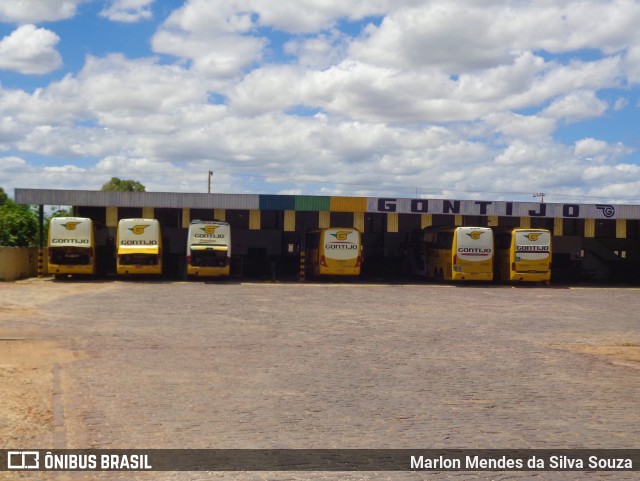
{"type": "Point", "coordinates": [387, 205]}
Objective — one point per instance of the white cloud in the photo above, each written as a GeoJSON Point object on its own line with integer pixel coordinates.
{"type": "Point", "coordinates": [620, 103]}
{"type": "Point", "coordinates": [30, 50]}
{"type": "Point", "coordinates": [599, 151]}
{"type": "Point", "coordinates": [462, 97]}
{"type": "Point", "coordinates": [12, 164]}
{"type": "Point", "coordinates": [632, 63]}
{"type": "Point", "coordinates": [128, 11]}
{"type": "Point", "coordinates": [463, 36]}
{"type": "Point", "coordinates": [576, 106]}
{"type": "Point", "coordinates": [34, 11]}
{"type": "Point", "coordinates": [116, 87]}
{"type": "Point", "coordinates": [211, 35]}
{"type": "Point", "coordinates": [611, 173]}
{"type": "Point", "coordinates": [527, 128]}
{"type": "Point", "coordinates": [320, 51]}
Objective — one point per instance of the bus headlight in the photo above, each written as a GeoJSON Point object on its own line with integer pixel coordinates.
{"type": "Point", "coordinates": [457, 268]}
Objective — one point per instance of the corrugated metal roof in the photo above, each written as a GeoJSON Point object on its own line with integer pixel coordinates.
{"type": "Point", "coordinates": [348, 204]}
{"type": "Point", "coordinates": [91, 198]}
{"type": "Point", "coordinates": [277, 202]}
{"type": "Point", "coordinates": [324, 203]}
{"type": "Point", "coordinates": [313, 203]}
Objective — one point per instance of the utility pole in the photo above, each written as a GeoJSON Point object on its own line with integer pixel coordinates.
{"type": "Point", "coordinates": [209, 184]}
{"type": "Point", "coordinates": [541, 195]}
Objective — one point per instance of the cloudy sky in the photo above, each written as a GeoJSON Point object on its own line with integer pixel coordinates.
{"type": "Point", "coordinates": [455, 98]}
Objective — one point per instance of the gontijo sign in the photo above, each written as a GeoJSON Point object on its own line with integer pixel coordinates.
{"type": "Point", "coordinates": [502, 208]}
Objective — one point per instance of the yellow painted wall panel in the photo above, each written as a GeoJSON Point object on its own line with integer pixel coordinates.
{"type": "Point", "coordinates": [112, 216]}
{"type": "Point", "coordinates": [621, 228]}
{"type": "Point", "coordinates": [148, 213]}
{"type": "Point", "coordinates": [289, 220]}
{"type": "Point", "coordinates": [558, 227]}
{"type": "Point", "coordinates": [392, 222]}
{"type": "Point", "coordinates": [589, 227]}
{"type": "Point", "coordinates": [254, 219]}
{"type": "Point", "coordinates": [492, 221]}
{"type": "Point", "coordinates": [348, 204]}
{"type": "Point", "coordinates": [324, 219]}
{"type": "Point", "coordinates": [358, 221]}
{"type": "Point", "coordinates": [219, 214]}
{"type": "Point", "coordinates": [525, 222]}
{"type": "Point", "coordinates": [426, 220]}
{"type": "Point", "coordinates": [186, 218]}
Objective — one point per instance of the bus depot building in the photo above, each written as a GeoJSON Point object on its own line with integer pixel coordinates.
{"type": "Point", "coordinates": [591, 242]}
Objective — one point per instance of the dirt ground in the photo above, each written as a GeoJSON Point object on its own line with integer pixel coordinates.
{"type": "Point", "coordinates": [28, 362]}
{"type": "Point", "coordinates": [619, 352]}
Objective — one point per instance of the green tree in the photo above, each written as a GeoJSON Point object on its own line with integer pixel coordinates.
{"type": "Point", "coordinates": [120, 185]}
{"type": "Point", "coordinates": [18, 225]}
{"type": "Point", "coordinates": [3, 197]}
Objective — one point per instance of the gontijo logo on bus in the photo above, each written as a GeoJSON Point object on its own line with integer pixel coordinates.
{"type": "Point", "coordinates": [533, 237]}
{"type": "Point", "coordinates": [343, 243]}
{"type": "Point", "coordinates": [209, 233]}
{"type": "Point", "coordinates": [475, 251]}
{"type": "Point", "coordinates": [341, 235]}
{"type": "Point", "coordinates": [475, 235]}
{"type": "Point", "coordinates": [70, 225]}
{"type": "Point", "coordinates": [139, 229]}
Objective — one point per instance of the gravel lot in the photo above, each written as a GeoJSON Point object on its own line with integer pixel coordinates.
{"type": "Point", "coordinates": [144, 364]}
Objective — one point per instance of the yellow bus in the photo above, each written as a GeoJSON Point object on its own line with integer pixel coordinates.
{"type": "Point", "coordinates": [523, 255]}
{"type": "Point", "coordinates": [455, 253]}
{"type": "Point", "coordinates": [72, 248]}
{"type": "Point", "coordinates": [336, 251]}
{"type": "Point", "coordinates": [208, 248]}
{"type": "Point", "coordinates": [139, 247]}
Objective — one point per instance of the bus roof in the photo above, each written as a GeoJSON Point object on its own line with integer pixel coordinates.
{"type": "Point", "coordinates": [197, 221]}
